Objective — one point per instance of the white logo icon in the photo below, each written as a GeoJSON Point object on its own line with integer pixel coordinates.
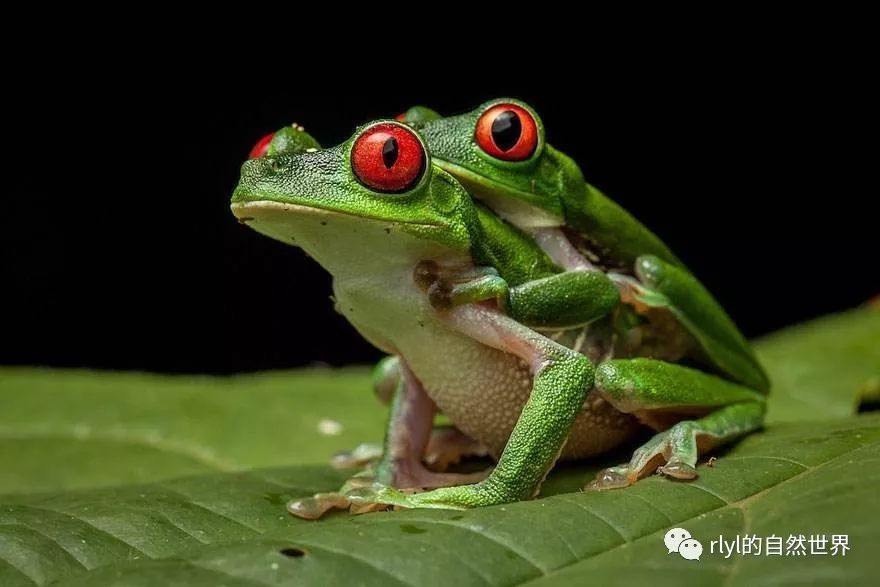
{"type": "Point", "coordinates": [675, 537]}
{"type": "Point", "coordinates": [690, 549]}
{"type": "Point", "coordinates": [679, 540]}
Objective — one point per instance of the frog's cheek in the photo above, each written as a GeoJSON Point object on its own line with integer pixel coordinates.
{"type": "Point", "coordinates": [524, 209]}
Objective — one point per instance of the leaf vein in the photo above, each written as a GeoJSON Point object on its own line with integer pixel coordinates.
{"type": "Point", "coordinates": [738, 504]}
{"type": "Point", "coordinates": [89, 524]}
{"type": "Point", "coordinates": [598, 517]}
{"type": "Point", "coordinates": [492, 538]}
{"type": "Point", "coordinates": [50, 539]}
{"type": "Point", "coordinates": [190, 501]}
{"type": "Point", "coordinates": [351, 556]}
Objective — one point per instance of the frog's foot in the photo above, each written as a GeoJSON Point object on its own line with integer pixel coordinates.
{"type": "Point", "coordinates": [677, 447]}
{"type": "Point", "coordinates": [412, 475]}
{"type": "Point", "coordinates": [362, 455]}
{"type": "Point", "coordinates": [655, 391]}
{"type": "Point", "coordinates": [312, 508]}
{"type": "Point", "coordinates": [674, 453]}
{"type": "Point", "coordinates": [362, 494]}
{"type": "Point", "coordinates": [461, 497]}
{"type": "Point", "coordinates": [448, 446]}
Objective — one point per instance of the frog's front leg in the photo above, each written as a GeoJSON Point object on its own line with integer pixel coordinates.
{"type": "Point", "coordinates": [656, 391]}
{"type": "Point", "coordinates": [561, 380]}
{"type": "Point", "coordinates": [407, 435]}
{"type": "Point", "coordinates": [563, 300]}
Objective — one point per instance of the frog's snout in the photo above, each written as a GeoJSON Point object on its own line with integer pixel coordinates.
{"type": "Point", "coordinates": [252, 171]}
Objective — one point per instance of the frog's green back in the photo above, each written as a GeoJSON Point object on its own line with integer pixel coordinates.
{"type": "Point", "coordinates": [617, 234]}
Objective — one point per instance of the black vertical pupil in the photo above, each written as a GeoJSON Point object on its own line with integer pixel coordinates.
{"type": "Point", "coordinates": [389, 152]}
{"type": "Point", "coordinates": [506, 129]}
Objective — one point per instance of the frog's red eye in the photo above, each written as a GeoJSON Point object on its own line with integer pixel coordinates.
{"type": "Point", "coordinates": [388, 157]}
{"type": "Point", "coordinates": [508, 132]}
{"type": "Point", "coordinates": [261, 147]}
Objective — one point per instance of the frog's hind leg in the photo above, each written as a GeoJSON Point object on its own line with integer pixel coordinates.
{"type": "Point", "coordinates": [449, 445]}
{"type": "Point", "coordinates": [446, 446]}
{"type": "Point", "coordinates": [655, 391]}
{"type": "Point", "coordinates": [407, 435]}
{"type": "Point", "coordinates": [406, 439]}
{"type": "Point", "coordinates": [386, 378]}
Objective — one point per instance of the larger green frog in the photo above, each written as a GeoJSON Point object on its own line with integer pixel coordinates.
{"type": "Point", "coordinates": [458, 296]}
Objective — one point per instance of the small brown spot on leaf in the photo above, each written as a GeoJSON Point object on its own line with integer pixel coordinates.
{"type": "Point", "coordinates": [292, 552]}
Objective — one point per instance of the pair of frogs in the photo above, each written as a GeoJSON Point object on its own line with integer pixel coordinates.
{"type": "Point", "coordinates": [539, 316]}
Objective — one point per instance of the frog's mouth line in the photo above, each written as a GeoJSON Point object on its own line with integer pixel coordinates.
{"type": "Point", "coordinates": [466, 175]}
{"type": "Point", "coordinates": [244, 212]}
{"type": "Point", "coordinates": [487, 189]}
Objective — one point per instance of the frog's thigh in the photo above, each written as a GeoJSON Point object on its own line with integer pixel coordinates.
{"type": "Point", "coordinates": [637, 385]}
{"type": "Point", "coordinates": [666, 285]}
{"type": "Point", "coordinates": [653, 389]}
{"type": "Point", "coordinates": [561, 380]}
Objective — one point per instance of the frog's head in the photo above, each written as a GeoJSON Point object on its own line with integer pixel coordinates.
{"type": "Point", "coordinates": [418, 116]}
{"type": "Point", "coordinates": [499, 153]}
{"type": "Point", "coordinates": [290, 139]}
{"type": "Point", "coordinates": [372, 201]}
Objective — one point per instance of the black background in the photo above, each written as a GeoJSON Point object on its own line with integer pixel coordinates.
{"type": "Point", "coordinates": [119, 251]}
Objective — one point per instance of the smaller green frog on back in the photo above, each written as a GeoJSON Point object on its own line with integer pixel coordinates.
{"type": "Point", "coordinates": [500, 155]}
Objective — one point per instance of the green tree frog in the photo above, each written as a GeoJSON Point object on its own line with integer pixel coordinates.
{"type": "Point", "coordinates": [499, 153]}
{"type": "Point", "coordinates": [464, 301]}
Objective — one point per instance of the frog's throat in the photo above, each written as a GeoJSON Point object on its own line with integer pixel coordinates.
{"type": "Point", "coordinates": [523, 209]}
{"type": "Point", "coordinates": [244, 212]}
{"type": "Point", "coordinates": [350, 245]}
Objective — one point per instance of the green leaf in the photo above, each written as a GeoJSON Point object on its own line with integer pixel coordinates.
{"type": "Point", "coordinates": [231, 528]}
{"type": "Point", "coordinates": [76, 429]}
{"type": "Point", "coordinates": [94, 467]}
{"type": "Point", "coordinates": [820, 369]}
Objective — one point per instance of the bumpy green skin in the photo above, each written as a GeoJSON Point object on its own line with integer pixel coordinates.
{"type": "Point", "coordinates": [291, 139]}
{"type": "Point", "coordinates": [647, 384]}
{"type": "Point", "coordinates": [667, 285]}
{"type": "Point", "coordinates": [436, 209]}
{"type": "Point", "coordinates": [549, 180]}
{"type": "Point", "coordinates": [637, 385]}
{"type": "Point", "coordinates": [439, 211]}
{"type": "Point", "coordinates": [418, 115]}
{"type": "Point", "coordinates": [559, 389]}
{"type": "Point", "coordinates": [512, 252]}
{"type": "Point", "coordinates": [552, 182]}
{"type": "Point", "coordinates": [578, 298]}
